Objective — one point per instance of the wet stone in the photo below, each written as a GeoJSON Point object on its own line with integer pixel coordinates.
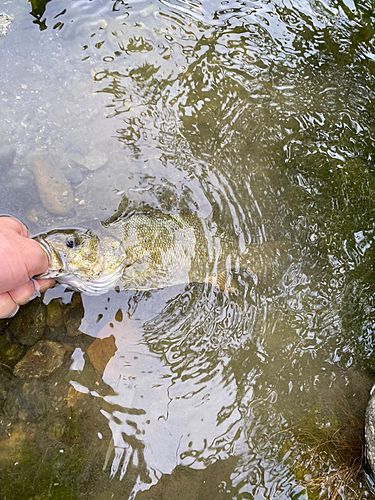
{"type": "Point", "coordinates": [29, 324]}
{"type": "Point", "coordinates": [54, 190]}
{"type": "Point", "coordinates": [92, 161]}
{"type": "Point", "coordinates": [10, 407]}
{"type": "Point", "coordinates": [11, 447]}
{"type": "Point", "coordinates": [36, 394]}
{"type": "Point", "coordinates": [56, 428]}
{"type": "Point", "coordinates": [75, 173]}
{"type": "Point", "coordinates": [73, 316]}
{"type": "Point", "coordinates": [17, 407]}
{"type": "Point", "coordinates": [73, 397]}
{"type": "Point", "coordinates": [101, 351]}
{"type": "Point", "coordinates": [41, 360]}
{"type": "Point", "coordinates": [6, 378]}
{"type": "Point", "coordinates": [55, 314]}
{"type": "Point", "coordinates": [73, 324]}
{"type": "Point", "coordinates": [11, 353]}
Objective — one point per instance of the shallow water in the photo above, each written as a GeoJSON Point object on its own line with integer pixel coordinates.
{"type": "Point", "coordinates": [259, 117]}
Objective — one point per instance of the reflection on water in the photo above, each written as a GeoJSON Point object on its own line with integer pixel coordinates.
{"type": "Point", "coordinates": [258, 117]}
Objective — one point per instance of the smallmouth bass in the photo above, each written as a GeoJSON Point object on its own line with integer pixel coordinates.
{"type": "Point", "coordinates": [141, 251]}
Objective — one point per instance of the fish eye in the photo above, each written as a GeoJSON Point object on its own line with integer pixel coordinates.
{"type": "Point", "coordinates": [71, 243]}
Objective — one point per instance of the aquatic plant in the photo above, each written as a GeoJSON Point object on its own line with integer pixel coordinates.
{"type": "Point", "coordinates": [326, 451]}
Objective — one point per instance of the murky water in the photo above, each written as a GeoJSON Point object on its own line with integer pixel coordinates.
{"type": "Point", "coordinates": [259, 117]}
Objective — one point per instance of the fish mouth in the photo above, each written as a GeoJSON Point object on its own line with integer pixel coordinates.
{"type": "Point", "coordinates": [96, 285]}
{"type": "Point", "coordinates": [45, 247]}
{"type": "Point", "coordinates": [54, 257]}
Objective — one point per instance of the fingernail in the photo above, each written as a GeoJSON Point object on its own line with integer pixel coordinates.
{"type": "Point", "coordinates": [15, 312]}
{"type": "Point", "coordinates": [35, 294]}
{"type": "Point", "coordinates": [45, 286]}
{"type": "Point", "coordinates": [37, 289]}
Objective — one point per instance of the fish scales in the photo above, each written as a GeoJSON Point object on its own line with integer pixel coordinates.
{"type": "Point", "coordinates": [151, 250]}
{"type": "Point", "coordinates": [141, 251]}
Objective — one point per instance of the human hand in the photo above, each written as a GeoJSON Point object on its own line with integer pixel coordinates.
{"type": "Point", "coordinates": [21, 258]}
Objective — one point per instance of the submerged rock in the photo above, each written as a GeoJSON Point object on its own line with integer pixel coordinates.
{"type": "Point", "coordinates": [92, 161]}
{"type": "Point", "coordinates": [73, 315]}
{"type": "Point", "coordinates": [11, 352]}
{"type": "Point", "coordinates": [75, 173]}
{"type": "Point", "coordinates": [55, 314]}
{"type": "Point", "coordinates": [29, 324]}
{"type": "Point", "coordinates": [56, 428]}
{"type": "Point", "coordinates": [54, 190]}
{"type": "Point", "coordinates": [11, 447]}
{"type": "Point", "coordinates": [41, 360]}
{"type": "Point", "coordinates": [101, 351]}
{"type": "Point", "coordinates": [73, 397]}
{"type": "Point", "coordinates": [18, 406]}
{"type": "Point", "coordinates": [36, 393]}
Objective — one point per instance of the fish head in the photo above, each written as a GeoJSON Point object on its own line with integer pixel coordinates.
{"type": "Point", "coordinates": [70, 252]}
{"type": "Point", "coordinates": [82, 260]}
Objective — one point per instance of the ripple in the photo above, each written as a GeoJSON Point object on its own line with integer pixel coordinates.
{"type": "Point", "coordinates": [257, 116]}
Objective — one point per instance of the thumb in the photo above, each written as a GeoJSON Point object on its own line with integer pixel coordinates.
{"type": "Point", "coordinates": [36, 258]}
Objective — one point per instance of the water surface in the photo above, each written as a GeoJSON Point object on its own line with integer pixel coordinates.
{"type": "Point", "coordinates": [259, 117]}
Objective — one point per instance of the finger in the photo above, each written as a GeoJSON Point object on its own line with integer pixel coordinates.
{"type": "Point", "coordinates": [43, 285]}
{"type": "Point", "coordinates": [15, 225]}
{"type": "Point", "coordinates": [24, 293]}
{"type": "Point", "coordinates": [36, 258]}
{"type": "Point", "coordinates": [8, 307]}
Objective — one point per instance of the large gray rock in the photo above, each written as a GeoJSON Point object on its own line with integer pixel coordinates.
{"type": "Point", "coordinates": [54, 190]}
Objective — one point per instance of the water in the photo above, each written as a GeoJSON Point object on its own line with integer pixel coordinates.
{"type": "Point", "coordinates": [259, 117]}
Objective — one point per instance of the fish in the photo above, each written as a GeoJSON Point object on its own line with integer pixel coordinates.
{"type": "Point", "coordinates": [140, 251]}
